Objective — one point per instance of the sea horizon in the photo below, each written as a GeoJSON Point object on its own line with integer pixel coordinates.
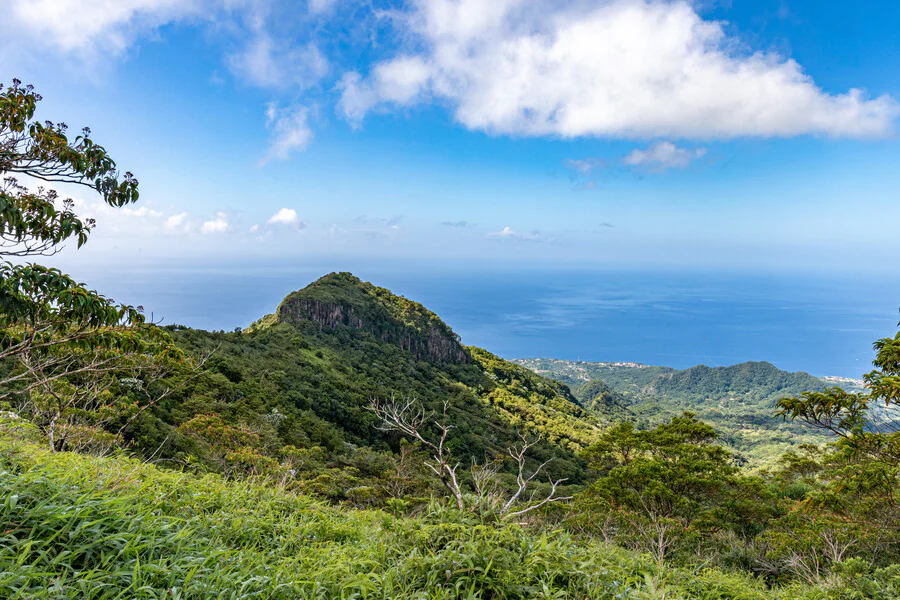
{"type": "Point", "coordinates": [820, 323]}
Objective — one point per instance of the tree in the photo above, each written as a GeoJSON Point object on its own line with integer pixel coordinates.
{"type": "Point", "coordinates": [410, 419]}
{"type": "Point", "coordinates": [856, 479]}
{"type": "Point", "coordinates": [867, 424]}
{"type": "Point", "coordinates": [40, 306]}
{"type": "Point", "coordinates": [69, 343]}
{"type": "Point", "coordinates": [863, 467]}
{"type": "Point", "coordinates": [661, 486]}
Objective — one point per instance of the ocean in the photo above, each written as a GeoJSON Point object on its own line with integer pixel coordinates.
{"type": "Point", "coordinates": [824, 325]}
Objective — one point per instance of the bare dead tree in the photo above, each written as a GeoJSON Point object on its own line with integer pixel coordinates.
{"type": "Point", "coordinates": [517, 453]}
{"type": "Point", "coordinates": [656, 533]}
{"type": "Point", "coordinates": [410, 419]}
{"type": "Point", "coordinates": [484, 479]}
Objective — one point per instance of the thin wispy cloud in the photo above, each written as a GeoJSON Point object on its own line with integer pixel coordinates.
{"type": "Point", "coordinates": [140, 212]}
{"type": "Point", "coordinates": [508, 234]}
{"type": "Point", "coordinates": [459, 224]}
{"type": "Point", "coordinates": [290, 131]}
{"type": "Point", "coordinates": [269, 63]}
{"type": "Point", "coordinates": [662, 156]}
{"type": "Point", "coordinates": [389, 222]}
{"type": "Point", "coordinates": [658, 158]}
{"type": "Point", "coordinates": [585, 166]}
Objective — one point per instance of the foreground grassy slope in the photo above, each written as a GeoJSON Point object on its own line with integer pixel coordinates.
{"type": "Point", "coordinates": [75, 526]}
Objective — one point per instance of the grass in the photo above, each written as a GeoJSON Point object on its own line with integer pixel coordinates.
{"type": "Point", "coordinates": [76, 526]}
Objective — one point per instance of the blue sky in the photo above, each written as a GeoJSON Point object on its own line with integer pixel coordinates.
{"type": "Point", "coordinates": [729, 135]}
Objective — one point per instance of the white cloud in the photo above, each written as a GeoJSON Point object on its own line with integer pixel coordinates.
{"type": "Point", "coordinates": [217, 225]}
{"type": "Point", "coordinates": [284, 216]}
{"type": "Point", "coordinates": [321, 6]}
{"type": "Point", "coordinates": [85, 26]}
{"type": "Point", "coordinates": [254, 228]}
{"type": "Point", "coordinates": [265, 62]}
{"type": "Point", "coordinates": [615, 68]}
{"type": "Point", "coordinates": [663, 155]}
{"type": "Point", "coordinates": [508, 234]}
{"type": "Point", "coordinates": [585, 166]}
{"type": "Point", "coordinates": [400, 81]}
{"type": "Point", "coordinates": [176, 222]}
{"type": "Point", "coordinates": [141, 212]}
{"type": "Point", "coordinates": [290, 131]}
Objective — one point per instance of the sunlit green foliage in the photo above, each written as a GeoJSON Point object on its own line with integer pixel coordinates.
{"type": "Point", "coordinates": [319, 378]}
{"type": "Point", "coordinates": [739, 401]}
{"type": "Point", "coordinates": [670, 490]}
{"type": "Point", "coordinates": [63, 346]}
{"type": "Point", "coordinates": [89, 528]}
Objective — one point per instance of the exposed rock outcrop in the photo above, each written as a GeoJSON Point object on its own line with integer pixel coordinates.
{"type": "Point", "coordinates": [342, 300]}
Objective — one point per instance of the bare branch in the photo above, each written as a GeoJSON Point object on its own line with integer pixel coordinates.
{"type": "Point", "coordinates": [551, 497]}
{"type": "Point", "coordinates": [517, 453]}
{"type": "Point", "coordinates": [409, 418]}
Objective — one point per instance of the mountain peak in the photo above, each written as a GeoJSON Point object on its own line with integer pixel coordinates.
{"type": "Point", "coordinates": [344, 300]}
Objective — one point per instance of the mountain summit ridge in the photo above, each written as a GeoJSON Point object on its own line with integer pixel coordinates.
{"type": "Point", "coordinates": [342, 299]}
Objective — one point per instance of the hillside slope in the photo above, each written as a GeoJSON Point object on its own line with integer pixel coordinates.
{"type": "Point", "coordinates": [88, 528]}
{"type": "Point", "coordinates": [738, 400]}
{"type": "Point", "coordinates": [305, 375]}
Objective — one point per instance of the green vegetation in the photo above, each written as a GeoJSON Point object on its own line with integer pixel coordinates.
{"type": "Point", "coordinates": [63, 346]}
{"type": "Point", "coordinates": [349, 446]}
{"type": "Point", "coordinates": [295, 383]}
{"type": "Point", "coordinates": [740, 401]}
{"type": "Point", "coordinates": [89, 528]}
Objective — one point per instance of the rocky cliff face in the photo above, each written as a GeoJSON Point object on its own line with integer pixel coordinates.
{"type": "Point", "coordinates": [341, 300]}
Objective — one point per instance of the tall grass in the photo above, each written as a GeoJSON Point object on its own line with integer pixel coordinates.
{"type": "Point", "coordinates": [75, 526]}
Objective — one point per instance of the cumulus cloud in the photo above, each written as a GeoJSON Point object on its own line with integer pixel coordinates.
{"type": "Point", "coordinates": [508, 234]}
{"type": "Point", "coordinates": [663, 155]}
{"type": "Point", "coordinates": [614, 68]}
{"type": "Point", "coordinates": [400, 81]}
{"type": "Point", "coordinates": [289, 129]}
{"type": "Point", "coordinates": [86, 26]}
{"type": "Point", "coordinates": [217, 225]}
{"type": "Point", "coordinates": [176, 222]}
{"type": "Point", "coordinates": [286, 216]}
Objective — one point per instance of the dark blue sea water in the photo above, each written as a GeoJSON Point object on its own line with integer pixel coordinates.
{"type": "Point", "coordinates": [824, 325]}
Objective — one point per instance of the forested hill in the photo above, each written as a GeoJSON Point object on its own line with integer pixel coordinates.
{"type": "Point", "coordinates": [340, 299]}
{"type": "Point", "coordinates": [739, 400]}
{"type": "Point", "coordinates": [745, 382]}
{"type": "Point", "coordinates": [304, 376]}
